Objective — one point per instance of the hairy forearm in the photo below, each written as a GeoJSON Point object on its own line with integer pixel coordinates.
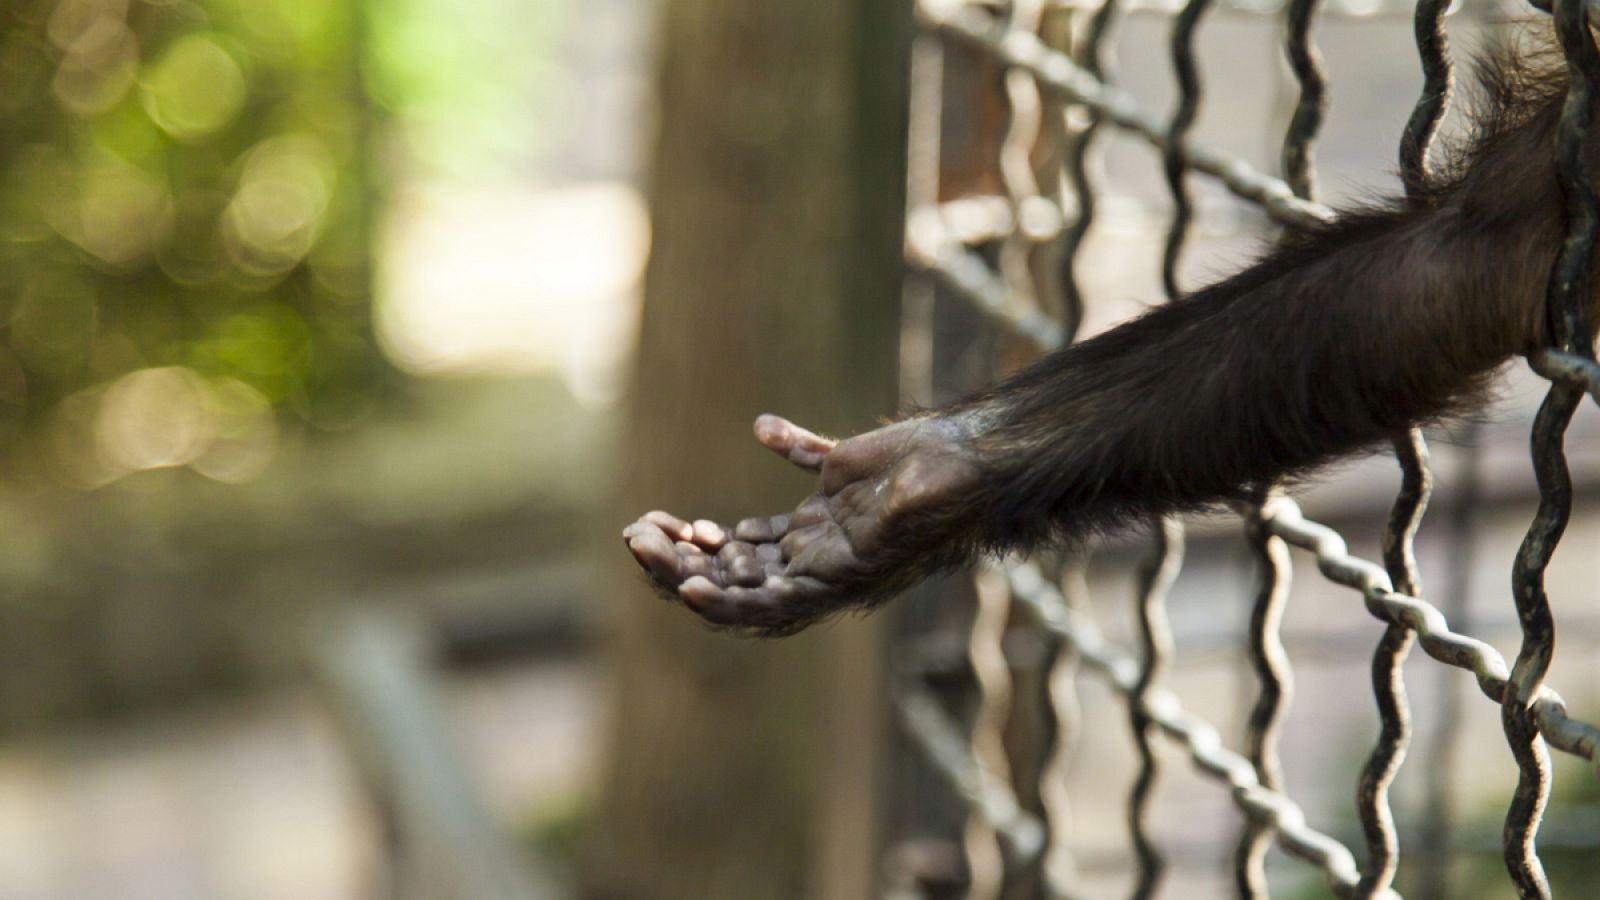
{"type": "Point", "coordinates": [1340, 338]}
{"type": "Point", "coordinates": [1328, 346]}
{"type": "Point", "coordinates": [1246, 383]}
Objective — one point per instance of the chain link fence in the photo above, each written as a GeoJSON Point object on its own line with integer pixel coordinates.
{"type": "Point", "coordinates": [1013, 255]}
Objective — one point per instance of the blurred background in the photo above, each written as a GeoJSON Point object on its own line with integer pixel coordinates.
{"type": "Point", "coordinates": [339, 338]}
{"type": "Point", "coordinates": [310, 307]}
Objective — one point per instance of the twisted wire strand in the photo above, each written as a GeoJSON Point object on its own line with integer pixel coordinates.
{"type": "Point", "coordinates": [1064, 713]}
{"type": "Point", "coordinates": [1159, 571]}
{"type": "Point", "coordinates": [1058, 74]}
{"type": "Point", "coordinates": [1566, 292]}
{"type": "Point", "coordinates": [1165, 558]}
{"type": "Point", "coordinates": [1305, 61]}
{"type": "Point", "coordinates": [1024, 125]}
{"type": "Point", "coordinates": [1187, 75]}
{"type": "Point", "coordinates": [986, 742]}
{"type": "Point", "coordinates": [1565, 308]}
{"type": "Point", "coordinates": [945, 747]}
{"type": "Point", "coordinates": [931, 248]}
{"type": "Point", "coordinates": [1487, 666]}
{"type": "Point", "coordinates": [1268, 658]}
{"type": "Point", "coordinates": [1094, 59]}
{"type": "Point", "coordinates": [939, 738]}
{"type": "Point", "coordinates": [1411, 502]}
{"type": "Point", "coordinates": [1581, 372]}
{"type": "Point", "coordinates": [1202, 742]}
{"type": "Point", "coordinates": [1388, 682]}
{"type": "Point", "coordinates": [1059, 713]}
{"type": "Point", "coordinates": [1270, 662]}
{"type": "Point", "coordinates": [924, 120]}
{"type": "Point", "coordinates": [1534, 715]}
{"type": "Point", "coordinates": [1411, 451]}
{"type": "Point", "coordinates": [1438, 86]}
{"type": "Point", "coordinates": [1284, 519]}
{"type": "Point", "coordinates": [1434, 877]}
{"type": "Point", "coordinates": [989, 667]}
{"type": "Point", "coordinates": [1538, 642]}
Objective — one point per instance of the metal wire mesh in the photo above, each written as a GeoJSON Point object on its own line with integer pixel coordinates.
{"type": "Point", "coordinates": [1027, 283]}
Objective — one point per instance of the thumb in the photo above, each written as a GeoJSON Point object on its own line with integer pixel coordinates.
{"type": "Point", "coordinates": [799, 446]}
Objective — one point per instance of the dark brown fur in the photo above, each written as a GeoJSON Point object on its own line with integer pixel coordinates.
{"type": "Point", "coordinates": [1338, 339]}
{"type": "Point", "coordinates": [1393, 315]}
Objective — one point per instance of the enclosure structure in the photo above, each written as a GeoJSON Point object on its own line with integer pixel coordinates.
{"type": "Point", "coordinates": [1013, 254]}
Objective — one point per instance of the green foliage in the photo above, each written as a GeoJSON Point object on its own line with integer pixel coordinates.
{"type": "Point", "coordinates": [190, 185]}
{"type": "Point", "coordinates": [184, 184]}
{"type": "Point", "coordinates": [474, 83]}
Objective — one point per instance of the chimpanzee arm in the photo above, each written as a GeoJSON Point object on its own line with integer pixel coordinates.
{"type": "Point", "coordinates": [1338, 339]}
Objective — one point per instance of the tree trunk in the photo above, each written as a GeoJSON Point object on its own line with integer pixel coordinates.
{"type": "Point", "coordinates": [739, 769]}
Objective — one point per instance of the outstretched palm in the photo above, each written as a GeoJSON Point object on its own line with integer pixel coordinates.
{"type": "Point", "coordinates": [852, 542]}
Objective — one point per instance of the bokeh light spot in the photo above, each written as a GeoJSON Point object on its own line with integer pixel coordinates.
{"type": "Point", "coordinates": [195, 89]}
{"type": "Point", "coordinates": [246, 435]}
{"type": "Point", "coordinates": [273, 219]}
{"type": "Point", "coordinates": [154, 418]}
{"type": "Point", "coordinates": [123, 212]}
{"type": "Point", "coordinates": [98, 69]}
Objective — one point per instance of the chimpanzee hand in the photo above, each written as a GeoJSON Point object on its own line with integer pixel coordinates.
{"type": "Point", "coordinates": [877, 519]}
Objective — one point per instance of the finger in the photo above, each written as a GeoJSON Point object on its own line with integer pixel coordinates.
{"type": "Point", "coordinates": [701, 594]}
{"type": "Point", "coordinates": [732, 550]}
{"type": "Point", "coordinates": [799, 446]}
{"type": "Point", "coordinates": [739, 565]}
{"type": "Point", "coordinates": [747, 571]}
{"type": "Point", "coordinates": [709, 535]}
{"type": "Point", "coordinates": [655, 553]}
{"type": "Point", "coordinates": [693, 561]}
{"type": "Point", "coordinates": [676, 528]}
{"type": "Point", "coordinates": [754, 531]}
